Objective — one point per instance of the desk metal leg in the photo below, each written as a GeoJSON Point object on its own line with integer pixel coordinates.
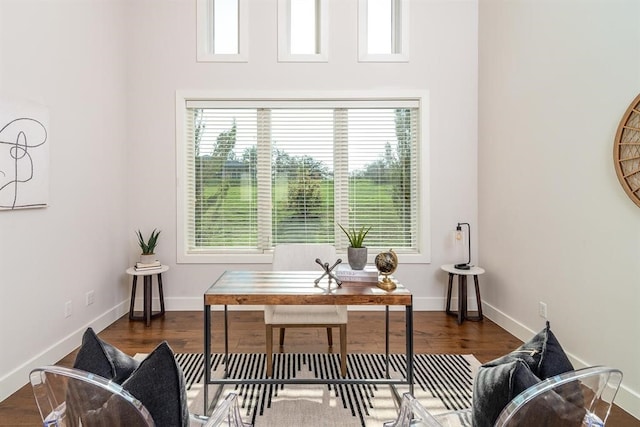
{"type": "Point", "coordinates": [226, 343]}
{"type": "Point", "coordinates": [386, 340]}
{"type": "Point", "coordinates": [207, 355]}
{"type": "Point", "coordinates": [409, 327]}
{"type": "Point", "coordinates": [209, 404]}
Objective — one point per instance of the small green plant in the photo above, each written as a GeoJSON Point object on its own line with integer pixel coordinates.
{"type": "Point", "coordinates": [148, 247]}
{"type": "Point", "coordinates": [355, 236]}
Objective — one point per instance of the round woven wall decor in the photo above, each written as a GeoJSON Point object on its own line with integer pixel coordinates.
{"type": "Point", "coordinates": [626, 151]}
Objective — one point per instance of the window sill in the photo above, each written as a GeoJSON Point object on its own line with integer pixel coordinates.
{"type": "Point", "coordinates": [267, 258]}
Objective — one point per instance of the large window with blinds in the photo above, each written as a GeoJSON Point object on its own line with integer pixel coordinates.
{"type": "Point", "coordinates": [254, 173]}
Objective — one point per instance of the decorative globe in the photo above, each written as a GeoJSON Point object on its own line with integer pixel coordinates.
{"type": "Point", "coordinates": [386, 263]}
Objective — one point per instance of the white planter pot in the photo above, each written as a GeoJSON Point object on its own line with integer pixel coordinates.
{"type": "Point", "coordinates": [147, 259]}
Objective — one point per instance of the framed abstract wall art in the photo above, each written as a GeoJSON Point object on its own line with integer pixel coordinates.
{"type": "Point", "coordinates": [24, 155]}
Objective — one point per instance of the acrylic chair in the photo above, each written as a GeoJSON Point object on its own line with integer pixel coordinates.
{"type": "Point", "coordinates": [299, 256]}
{"type": "Point", "coordinates": [68, 397]}
{"type": "Point", "coordinates": [585, 395]}
{"type": "Point", "coordinates": [582, 397]}
{"type": "Point", "coordinates": [226, 413]}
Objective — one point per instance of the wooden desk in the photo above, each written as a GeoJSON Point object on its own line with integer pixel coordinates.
{"type": "Point", "coordinates": [297, 288]}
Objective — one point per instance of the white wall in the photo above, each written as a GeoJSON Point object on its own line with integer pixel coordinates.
{"type": "Point", "coordinates": [67, 55]}
{"type": "Point", "coordinates": [443, 61]}
{"type": "Point", "coordinates": [93, 62]}
{"type": "Point", "coordinates": [555, 224]}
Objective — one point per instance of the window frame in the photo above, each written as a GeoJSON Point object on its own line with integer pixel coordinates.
{"type": "Point", "coordinates": [284, 34]}
{"type": "Point", "coordinates": [204, 29]}
{"type": "Point", "coordinates": [363, 38]}
{"type": "Point", "coordinates": [229, 257]}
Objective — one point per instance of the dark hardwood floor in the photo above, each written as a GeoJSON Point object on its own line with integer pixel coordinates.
{"type": "Point", "coordinates": [434, 332]}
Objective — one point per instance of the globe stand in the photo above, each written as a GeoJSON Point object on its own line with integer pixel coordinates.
{"type": "Point", "coordinates": [386, 283]}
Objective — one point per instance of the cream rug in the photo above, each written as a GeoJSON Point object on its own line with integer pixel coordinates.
{"type": "Point", "coordinates": [443, 382]}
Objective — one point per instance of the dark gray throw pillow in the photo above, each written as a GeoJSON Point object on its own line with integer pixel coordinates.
{"type": "Point", "coordinates": [543, 353]}
{"type": "Point", "coordinates": [158, 383]}
{"type": "Point", "coordinates": [499, 381]}
{"type": "Point", "coordinates": [103, 359]}
{"type": "Point", "coordinates": [553, 359]}
{"type": "Point", "coordinates": [100, 358]}
{"type": "Point", "coordinates": [495, 386]}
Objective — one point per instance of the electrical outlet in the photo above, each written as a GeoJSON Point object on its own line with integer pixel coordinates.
{"type": "Point", "coordinates": [67, 309]}
{"type": "Point", "coordinates": [542, 309]}
{"type": "Point", "coordinates": [90, 297]}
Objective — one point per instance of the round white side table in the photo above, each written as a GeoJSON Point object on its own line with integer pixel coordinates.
{"type": "Point", "coordinates": [462, 314]}
{"type": "Point", "coordinates": [147, 276]}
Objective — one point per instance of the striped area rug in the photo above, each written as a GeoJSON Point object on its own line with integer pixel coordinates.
{"type": "Point", "coordinates": [443, 382]}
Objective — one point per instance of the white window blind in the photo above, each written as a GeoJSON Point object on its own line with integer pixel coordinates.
{"type": "Point", "coordinates": [259, 173]}
{"type": "Point", "coordinates": [221, 174]}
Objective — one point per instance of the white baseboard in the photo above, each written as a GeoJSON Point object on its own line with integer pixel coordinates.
{"type": "Point", "coordinates": [17, 378]}
{"type": "Point", "coordinates": [627, 399]}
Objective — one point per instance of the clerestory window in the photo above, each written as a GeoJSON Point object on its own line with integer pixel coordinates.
{"type": "Point", "coordinates": [303, 30]}
{"type": "Point", "coordinates": [222, 30]}
{"type": "Point", "coordinates": [383, 30]}
{"type": "Point", "coordinates": [254, 173]}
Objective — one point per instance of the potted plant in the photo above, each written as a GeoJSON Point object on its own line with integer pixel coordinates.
{"type": "Point", "coordinates": [148, 246]}
{"type": "Point", "coordinates": [356, 252]}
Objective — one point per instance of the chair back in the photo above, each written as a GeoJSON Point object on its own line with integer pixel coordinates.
{"type": "Point", "coordinates": [302, 256]}
{"type": "Point", "coordinates": [577, 398]}
{"type": "Point", "coordinates": [581, 397]}
{"type": "Point", "coordinates": [70, 397]}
